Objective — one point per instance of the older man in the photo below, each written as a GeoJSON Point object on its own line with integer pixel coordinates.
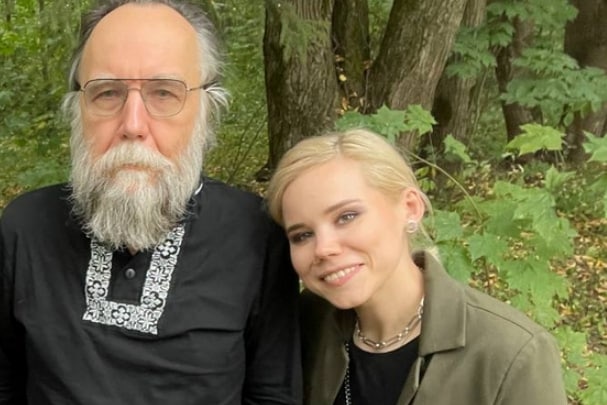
{"type": "Point", "coordinates": [142, 282]}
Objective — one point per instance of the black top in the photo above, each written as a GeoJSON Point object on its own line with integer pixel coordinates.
{"type": "Point", "coordinates": [378, 378]}
{"type": "Point", "coordinates": [210, 310]}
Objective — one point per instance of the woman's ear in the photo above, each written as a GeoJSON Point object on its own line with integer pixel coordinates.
{"type": "Point", "coordinates": [413, 203]}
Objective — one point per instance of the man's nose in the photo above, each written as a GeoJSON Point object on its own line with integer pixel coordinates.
{"type": "Point", "coordinates": [134, 115]}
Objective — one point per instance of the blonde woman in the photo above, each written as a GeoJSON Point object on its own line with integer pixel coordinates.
{"type": "Point", "coordinates": [383, 324]}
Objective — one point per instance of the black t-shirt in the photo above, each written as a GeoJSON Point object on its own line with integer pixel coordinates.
{"type": "Point", "coordinates": [378, 378]}
{"type": "Point", "coordinates": [208, 317]}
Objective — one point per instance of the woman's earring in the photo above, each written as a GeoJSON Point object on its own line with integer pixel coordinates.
{"type": "Point", "coordinates": [411, 226]}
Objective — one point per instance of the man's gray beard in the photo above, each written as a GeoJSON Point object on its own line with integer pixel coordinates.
{"type": "Point", "coordinates": [132, 196]}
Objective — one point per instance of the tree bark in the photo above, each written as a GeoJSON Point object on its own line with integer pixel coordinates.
{"type": "Point", "coordinates": [515, 115]}
{"type": "Point", "coordinates": [586, 42]}
{"type": "Point", "coordinates": [352, 51]}
{"type": "Point", "coordinates": [454, 102]}
{"type": "Point", "coordinates": [417, 41]}
{"type": "Point", "coordinates": [301, 86]}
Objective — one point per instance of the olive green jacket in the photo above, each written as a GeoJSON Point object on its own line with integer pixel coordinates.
{"type": "Point", "coordinates": [473, 350]}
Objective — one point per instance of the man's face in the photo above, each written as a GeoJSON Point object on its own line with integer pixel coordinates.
{"type": "Point", "coordinates": [141, 42]}
{"type": "Point", "coordinates": [133, 173]}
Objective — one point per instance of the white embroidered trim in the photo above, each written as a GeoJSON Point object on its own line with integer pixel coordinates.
{"type": "Point", "coordinates": [145, 316]}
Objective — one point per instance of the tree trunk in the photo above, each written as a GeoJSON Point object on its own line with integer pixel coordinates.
{"type": "Point", "coordinates": [417, 41]}
{"type": "Point", "coordinates": [515, 115]}
{"type": "Point", "coordinates": [301, 86]}
{"type": "Point", "coordinates": [586, 42]}
{"type": "Point", "coordinates": [352, 52]}
{"type": "Point", "coordinates": [453, 106]}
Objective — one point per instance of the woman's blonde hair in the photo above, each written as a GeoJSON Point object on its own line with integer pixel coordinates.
{"type": "Point", "coordinates": [382, 165]}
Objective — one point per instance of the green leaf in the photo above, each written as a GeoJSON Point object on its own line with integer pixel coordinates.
{"type": "Point", "coordinates": [353, 119]}
{"type": "Point", "coordinates": [417, 119]}
{"type": "Point", "coordinates": [572, 344]}
{"type": "Point", "coordinates": [501, 217]}
{"type": "Point", "coordinates": [535, 277]}
{"type": "Point", "coordinates": [487, 245]}
{"type": "Point", "coordinates": [596, 393]}
{"type": "Point", "coordinates": [571, 378]}
{"type": "Point", "coordinates": [597, 147]}
{"type": "Point", "coordinates": [555, 180]}
{"type": "Point", "coordinates": [446, 226]}
{"type": "Point", "coordinates": [456, 148]}
{"type": "Point", "coordinates": [456, 261]}
{"type": "Point", "coordinates": [536, 137]}
{"type": "Point", "coordinates": [389, 123]}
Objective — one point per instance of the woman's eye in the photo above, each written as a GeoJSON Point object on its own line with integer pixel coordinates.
{"type": "Point", "coordinates": [346, 217]}
{"type": "Point", "coordinates": [299, 237]}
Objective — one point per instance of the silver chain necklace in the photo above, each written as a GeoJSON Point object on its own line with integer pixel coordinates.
{"type": "Point", "coordinates": [380, 345]}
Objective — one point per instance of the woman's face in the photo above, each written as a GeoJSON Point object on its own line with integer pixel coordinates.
{"type": "Point", "coordinates": [347, 238]}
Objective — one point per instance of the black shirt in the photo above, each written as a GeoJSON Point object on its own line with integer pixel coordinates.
{"type": "Point", "coordinates": [208, 317]}
{"type": "Point", "coordinates": [378, 378]}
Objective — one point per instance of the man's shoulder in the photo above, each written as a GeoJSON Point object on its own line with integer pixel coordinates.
{"type": "Point", "coordinates": [49, 200]}
{"type": "Point", "coordinates": [216, 191]}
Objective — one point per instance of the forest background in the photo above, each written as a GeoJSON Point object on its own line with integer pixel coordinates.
{"type": "Point", "coordinates": [500, 105]}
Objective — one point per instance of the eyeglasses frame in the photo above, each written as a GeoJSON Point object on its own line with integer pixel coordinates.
{"type": "Point", "coordinates": [204, 86]}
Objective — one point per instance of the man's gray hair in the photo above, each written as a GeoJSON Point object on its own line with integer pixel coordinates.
{"type": "Point", "coordinates": [213, 98]}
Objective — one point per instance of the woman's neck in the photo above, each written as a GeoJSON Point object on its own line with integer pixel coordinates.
{"type": "Point", "coordinates": [393, 307]}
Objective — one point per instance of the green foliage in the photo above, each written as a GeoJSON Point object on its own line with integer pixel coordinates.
{"type": "Point", "coordinates": [535, 138]}
{"type": "Point", "coordinates": [597, 147]}
{"type": "Point", "coordinates": [546, 79]}
{"type": "Point", "coordinates": [546, 14]}
{"type": "Point", "coordinates": [35, 48]}
{"type": "Point", "coordinates": [472, 49]}
{"type": "Point", "coordinates": [580, 363]}
{"type": "Point", "coordinates": [390, 123]}
{"type": "Point", "coordinates": [555, 180]}
{"type": "Point", "coordinates": [455, 149]}
{"type": "Point", "coordinates": [242, 145]}
{"type": "Point", "coordinates": [595, 376]}
{"type": "Point", "coordinates": [554, 83]}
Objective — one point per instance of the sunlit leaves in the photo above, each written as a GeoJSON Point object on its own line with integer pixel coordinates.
{"type": "Point", "coordinates": [390, 123]}
{"type": "Point", "coordinates": [536, 137]}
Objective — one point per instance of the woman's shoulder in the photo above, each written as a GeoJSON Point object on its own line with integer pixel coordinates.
{"type": "Point", "coordinates": [491, 312]}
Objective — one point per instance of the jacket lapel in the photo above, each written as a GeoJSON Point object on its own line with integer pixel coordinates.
{"type": "Point", "coordinates": [443, 322]}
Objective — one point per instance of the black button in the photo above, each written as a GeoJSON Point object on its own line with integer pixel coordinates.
{"type": "Point", "coordinates": [129, 274]}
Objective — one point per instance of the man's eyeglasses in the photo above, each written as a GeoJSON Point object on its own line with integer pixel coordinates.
{"type": "Point", "coordinates": [161, 97]}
